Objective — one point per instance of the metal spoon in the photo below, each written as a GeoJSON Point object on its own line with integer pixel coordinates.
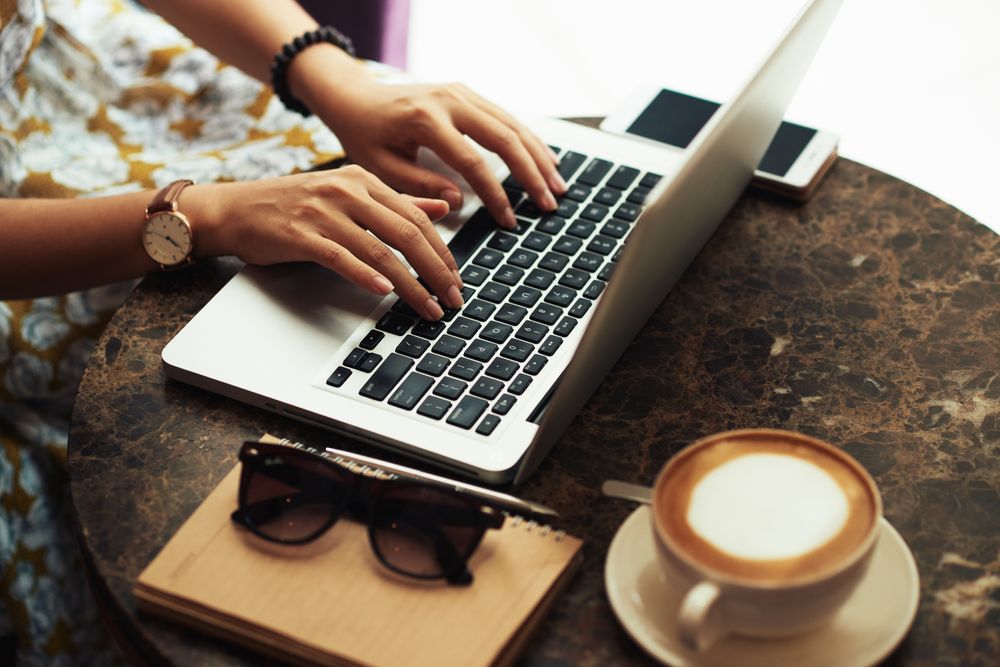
{"type": "Point", "coordinates": [615, 488]}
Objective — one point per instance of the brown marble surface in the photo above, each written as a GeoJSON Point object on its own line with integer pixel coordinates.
{"type": "Point", "coordinates": [869, 317]}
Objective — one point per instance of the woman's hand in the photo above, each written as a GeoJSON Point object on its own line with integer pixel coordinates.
{"type": "Point", "coordinates": [346, 220]}
{"type": "Point", "coordinates": [381, 126]}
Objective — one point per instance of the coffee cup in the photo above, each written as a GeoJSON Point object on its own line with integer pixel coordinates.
{"type": "Point", "coordinates": [768, 531]}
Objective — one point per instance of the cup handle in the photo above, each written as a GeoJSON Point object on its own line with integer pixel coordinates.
{"type": "Point", "coordinates": [699, 621]}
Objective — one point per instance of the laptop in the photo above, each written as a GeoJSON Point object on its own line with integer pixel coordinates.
{"type": "Point", "coordinates": [549, 308]}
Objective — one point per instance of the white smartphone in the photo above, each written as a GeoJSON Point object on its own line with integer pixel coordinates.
{"type": "Point", "coordinates": [793, 165]}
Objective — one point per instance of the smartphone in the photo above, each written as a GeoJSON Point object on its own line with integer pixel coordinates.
{"type": "Point", "coordinates": [793, 165]}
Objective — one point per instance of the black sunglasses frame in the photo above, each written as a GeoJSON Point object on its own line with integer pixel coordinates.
{"type": "Point", "coordinates": [364, 491]}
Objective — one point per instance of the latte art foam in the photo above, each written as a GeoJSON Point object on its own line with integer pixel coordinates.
{"type": "Point", "coordinates": [767, 506]}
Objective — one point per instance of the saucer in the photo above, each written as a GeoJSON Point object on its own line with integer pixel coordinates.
{"type": "Point", "coordinates": [865, 630]}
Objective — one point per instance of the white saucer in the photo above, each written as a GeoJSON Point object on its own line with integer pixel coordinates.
{"type": "Point", "coordinates": [866, 629]}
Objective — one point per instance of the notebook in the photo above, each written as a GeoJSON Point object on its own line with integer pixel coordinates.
{"type": "Point", "coordinates": [549, 306]}
{"type": "Point", "coordinates": [340, 606]}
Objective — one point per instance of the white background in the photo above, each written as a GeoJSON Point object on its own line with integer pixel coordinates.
{"type": "Point", "coordinates": [911, 86]}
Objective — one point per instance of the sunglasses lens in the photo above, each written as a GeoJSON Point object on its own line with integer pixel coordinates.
{"type": "Point", "coordinates": [290, 498]}
{"type": "Point", "coordinates": [424, 532]}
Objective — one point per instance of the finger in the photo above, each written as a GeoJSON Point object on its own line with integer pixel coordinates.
{"type": "Point", "coordinates": [507, 143]}
{"type": "Point", "coordinates": [407, 177]}
{"type": "Point", "coordinates": [338, 259]}
{"type": "Point", "coordinates": [411, 231]}
{"type": "Point", "coordinates": [434, 208]}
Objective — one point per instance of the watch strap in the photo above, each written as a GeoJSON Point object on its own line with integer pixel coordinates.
{"type": "Point", "coordinates": [166, 199]}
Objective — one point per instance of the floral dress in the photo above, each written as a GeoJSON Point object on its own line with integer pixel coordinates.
{"type": "Point", "coordinates": [97, 97]}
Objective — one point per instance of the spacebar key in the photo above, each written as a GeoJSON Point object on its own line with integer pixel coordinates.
{"type": "Point", "coordinates": [386, 377]}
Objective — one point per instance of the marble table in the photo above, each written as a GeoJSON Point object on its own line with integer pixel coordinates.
{"type": "Point", "coordinates": [869, 318]}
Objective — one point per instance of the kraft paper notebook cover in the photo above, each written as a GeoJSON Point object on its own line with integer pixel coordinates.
{"type": "Point", "coordinates": [341, 606]}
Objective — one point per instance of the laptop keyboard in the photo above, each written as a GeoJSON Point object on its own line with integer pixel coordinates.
{"type": "Point", "coordinates": [525, 290]}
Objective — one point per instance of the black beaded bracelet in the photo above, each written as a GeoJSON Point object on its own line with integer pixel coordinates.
{"type": "Point", "coordinates": [279, 68]}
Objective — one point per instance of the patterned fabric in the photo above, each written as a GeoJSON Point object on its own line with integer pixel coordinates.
{"type": "Point", "coordinates": [97, 97]}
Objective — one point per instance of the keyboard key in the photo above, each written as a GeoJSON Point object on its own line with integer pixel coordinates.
{"type": "Point", "coordinates": [533, 332]}
{"type": "Point", "coordinates": [488, 425]}
{"type": "Point", "coordinates": [450, 313]}
{"type": "Point", "coordinates": [638, 196]}
{"type": "Point", "coordinates": [471, 235]}
{"type": "Point", "coordinates": [389, 373]}
{"type": "Point", "coordinates": [411, 391]}
{"type": "Point", "coordinates": [581, 228]}
{"type": "Point", "coordinates": [520, 384]}
{"type": "Point", "coordinates": [497, 332]}
{"type": "Point", "coordinates": [467, 412]}
{"type": "Point", "coordinates": [479, 310]}
{"type": "Point", "coordinates": [594, 289]}
{"type": "Point", "coordinates": [594, 172]}
{"type": "Point", "coordinates": [494, 292]}
{"type": "Point", "coordinates": [486, 388]}
{"type": "Point", "coordinates": [623, 177]}
{"type": "Point", "coordinates": [605, 273]}
{"type": "Point", "coordinates": [588, 261]}
{"type": "Point", "coordinates": [540, 279]}
{"type": "Point", "coordinates": [502, 242]}
{"type": "Point", "coordinates": [565, 209]}
{"type": "Point", "coordinates": [450, 388]}
{"type": "Point", "coordinates": [602, 245]}
{"type": "Point", "coordinates": [551, 344]}
{"type": "Point", "coordinates": [615, 228]}
{"type": "Point", "coordinates": [511, 314]}
{"type": "Point", "coordinates": [560, 296]}
{"type": "Point", "coordinates": [508, 275]}
{"type": "Point", "coordinates": [566, 326]}
{"type": "Point", "coordinates": [551, 225]}
{"type": "Point", "coordinates": [536, 241]}
{"type": "Point", "coordinates": [448, 346]}
{"type": "Point", "coordinates": [525, 296]}
{"type": "Point", "coordinates": [528, 210]}
{"type": "Point", "coordinates": [371, 341]}
{"type": "Point", "coordinates": [523, 258]}
{"type": "Point", "coordinates": [547, 314]}
{"type": "Point", "coordinates": [569, 162]}
{"type": "Point", "coordinates": [504, 404]}
{"type": "Point", "coordinates": [535, 366]}
{"type": "Point", "coordinates": [434, 407]}
{"type": "Point", "coordinates": [466, 369]}
{"type": "Point", "coordinates": [463, 327]}
{"type": "Point", "coordinates": [580, 308]}
{"type": "Point", "coordinates": [466, 293]}
{"type": "Point", "coordinates": [518, 350]}
{"type": "Point", "coordinates": [595, 212]}
{"type": "Point", "coordinates": [553, 261]}
{"type": "Point", "coordinates": [578, 192]}
{"type": "Point", "coordinates": [501, 369]}
{"type": "Point", "coordinates": [650, 180]}
{"type": "Point", "coordinates": [433, 364]}
{"type": "Point", "coordinates": [555, 149]}
{"type": "Point", "coordinates": [355, 357]}
{"type": "Point", "coordinates": [488, 258]}
{"type": "Point", "coordinates": [394, 323]}
{"type": "Point", "coordinates": [567, 245]}
{"type": "Point", "coordinates": [412, 346]}
{"type": "Point", "coordinates": [403, 308]}
{"type": "Point", "coordinates": [514, 196]}
{"type": "Point", "coordinates": [370, 362]}
{"type": "Point", "coordinates": [481, 350]}
{"type": "Point", "coordinates": [607, 197]}
{"type": "Point", "coordinates": [628, 212]}
{"type": "Point", "coordinates": [521, 228]}
{"type": "Point", "coordinates": [512, 183]}
{"type": "Point", "coordinates": [429, 330]}
{"type": "Point", "coordinates": [573, 278]}
{"type": "Point", "coordinates": [339, 377]}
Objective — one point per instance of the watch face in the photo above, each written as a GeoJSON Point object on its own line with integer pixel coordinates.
{"type": "Point", "coordinates": [167, 238]}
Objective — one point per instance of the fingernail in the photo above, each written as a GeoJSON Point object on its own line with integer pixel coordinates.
{"type": "Point", "coordinates": [557, 183]}
{"type": "Point", "coordinates": [509, 220]}
{"type": "Point", "coordinates": [458, 278]}
{"type": "Point", "coordinates": [453, 197]}
{"type": "Point", "coordinates": [455, 297]}
{"type": "Point", "coordinates": [548, 201]}
{"type": "Point", "coordinates": [433, 310]}
{"type": "Point", "coordinates": [381, 284]}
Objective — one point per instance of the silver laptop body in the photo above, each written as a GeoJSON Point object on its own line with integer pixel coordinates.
{"type": "Point", "coordinates": [273, 336]}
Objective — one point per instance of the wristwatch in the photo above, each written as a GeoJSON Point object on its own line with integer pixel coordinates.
{"type": "Point", "coordinates": [167, 235]}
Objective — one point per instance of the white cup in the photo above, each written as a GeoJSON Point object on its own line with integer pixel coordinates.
{"type": "Point", "coordinates": [720, 602]}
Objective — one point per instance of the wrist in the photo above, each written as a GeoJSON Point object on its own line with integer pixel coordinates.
{"type": "Point", "coordinates": [204, 212]}
{"type": "Point", "coordinates": [323, 75]}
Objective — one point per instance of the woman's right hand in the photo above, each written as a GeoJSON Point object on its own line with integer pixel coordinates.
{"type": "Point", "coordinates": [345, 219]}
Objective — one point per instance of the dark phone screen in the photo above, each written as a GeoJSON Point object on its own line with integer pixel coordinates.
{"type": "Point", "coordinates": [675, 118]}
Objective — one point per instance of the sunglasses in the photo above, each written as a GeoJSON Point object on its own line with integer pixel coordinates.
{"type": "Point", "coordinates": [425, 527]}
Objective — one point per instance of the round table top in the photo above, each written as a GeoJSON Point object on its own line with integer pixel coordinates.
{"type": "Point", "coordinates": [868, 317]}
